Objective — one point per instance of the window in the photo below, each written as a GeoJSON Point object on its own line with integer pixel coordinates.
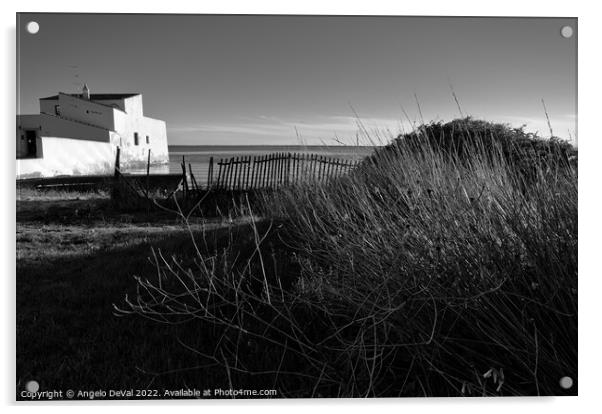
{"type": "Point", "coordinates": [135, 138]}
{"type": "Point", "coordinates": [147, 139]}
{"type": "Point", "coordinates": [57, 110]}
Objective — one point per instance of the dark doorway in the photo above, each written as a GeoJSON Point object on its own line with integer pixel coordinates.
{"type": "Point", "coordinates": [32, 148]}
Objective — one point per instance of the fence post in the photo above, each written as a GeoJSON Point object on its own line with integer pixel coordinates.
{"type": "Point", "coordinates": [254, 171]}
{"type": "Point", "coordinates": [117, 161]}
{"type": "Point", "coordinates": [287, 174]}
{"type": "Point", "coordinates": [224, 173]}
{"type": "Point", "coordinates": [276, 160]}
{"type": "Point", "coordinates": [148, 173]}
{"type": "Point", "coordinates": [251, 175]}
{"type": "Point", "coordinates": [250, 161]}
{"type": "Point", "coordinates": [248, 173]}
{"type": "Point", "coordinates": [241, 177]}
{"type": "Point", "coordinates": [219, 173]}
{"type": "Point", "coordinates": [300, 160]}
{"type": "Point", "coordinates": [193, 181]}
{"type": "Point", "coordinates": [184, 178]}
{"type": "Point", "coordinates": [275, 173]}
{"type": "Point", "coordinates": [279, 169]}
{"type": "Point", "coordinates": [115, 193]}
{"type": "Point", "coordinates": [282, 168]}
{"type": "Point", "coordinates": [266, 166]}
{"type": "Point", "coordinates": [230, 171]}
{"type": "Point", "coordinates": [319, 168]}
{"type": "Point", "coordinates": [210, 173]}
{"type": "Point", "coordinates": [235, 171]}
{"type": "Point", "coordinates": [239, 171]}
{"type": "Point", "coordinates": [257, 172]}
{"type": "Point", "coordinates": [270, 170]}
{"type": "Point", "coordinates": [261, 178]}
{"type": "Point", "coordinates": [230, 174]}
{"type": "Point", "coordinates": [226, 177]}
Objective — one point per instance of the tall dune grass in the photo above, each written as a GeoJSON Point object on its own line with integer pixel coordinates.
{"type": "Point", "coordinates": [433, 269]}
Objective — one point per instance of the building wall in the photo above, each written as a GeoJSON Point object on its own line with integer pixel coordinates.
{"type": "Point", "coordinates": [47, 106]}
{"type": "Point", "coordinates": [136, 155]}
{"type": "Point", "coordinates": [133, 106]}
{"type": "Point", "coordinates": [65, 156]}
{"type": "Point", "coordinates": [53, 126]}
{"type": "Point", "coordinates": [85, 111]}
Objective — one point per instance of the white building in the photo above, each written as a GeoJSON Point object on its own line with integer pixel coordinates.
{"type": "Point", "coordinates": [78, 134]}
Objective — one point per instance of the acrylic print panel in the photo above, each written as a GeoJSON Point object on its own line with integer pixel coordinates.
{"type": "Point", "coordinates": [218, 206]}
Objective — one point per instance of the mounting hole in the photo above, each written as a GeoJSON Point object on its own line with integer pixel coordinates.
{"type": "Point", "coordinates": [32, 386]}
{"type": "Point", "coordinates": [33, 27]}
{"type": "Point", "coordinates": [566, 382]}
{"type": "Point", "coordinates": [566, 32]}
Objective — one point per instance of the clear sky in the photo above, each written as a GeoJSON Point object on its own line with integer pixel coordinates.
{"type": "Point", "coordinates": [253, 80]}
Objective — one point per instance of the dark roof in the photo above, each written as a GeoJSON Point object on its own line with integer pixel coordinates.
{"type": "Point", "coordinates": [96, 96]}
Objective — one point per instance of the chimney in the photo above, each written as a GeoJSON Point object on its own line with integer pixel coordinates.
{"type": "Point", "coordinates": [86, 92]}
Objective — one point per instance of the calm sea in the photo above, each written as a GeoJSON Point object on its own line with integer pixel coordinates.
{"type": "Point", "coordinates": [198, 155]}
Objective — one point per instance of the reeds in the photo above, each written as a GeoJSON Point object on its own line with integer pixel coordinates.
{"type": "Point", "coordinates": [425, 271]}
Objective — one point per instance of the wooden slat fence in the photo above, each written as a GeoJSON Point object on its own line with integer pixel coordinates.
{"type": "Point", "coordinates": [274, 170]}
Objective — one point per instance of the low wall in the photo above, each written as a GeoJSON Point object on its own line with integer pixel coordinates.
{"type": "Point", "coordinates": [156, 182]}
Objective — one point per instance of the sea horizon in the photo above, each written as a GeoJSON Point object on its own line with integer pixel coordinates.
{"type": "Point", "coordinates": [296, 146]}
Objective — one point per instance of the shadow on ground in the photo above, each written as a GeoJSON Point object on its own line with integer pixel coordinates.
{"type": "Point", "coordinates": [67, 334]}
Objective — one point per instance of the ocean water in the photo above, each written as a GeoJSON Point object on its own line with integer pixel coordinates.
{"type": "Point", "coordinates": [197, 157]}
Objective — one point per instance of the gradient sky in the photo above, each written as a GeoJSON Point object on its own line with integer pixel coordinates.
{"type": "Point", "coordinates": [306, 79]}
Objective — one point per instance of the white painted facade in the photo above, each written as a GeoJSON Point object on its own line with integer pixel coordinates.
{"type": "Point", "coordinates": [79, 135]}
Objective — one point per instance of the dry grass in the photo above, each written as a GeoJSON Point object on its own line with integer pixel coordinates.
{"type": "Point", "coordinates": [427, 271]}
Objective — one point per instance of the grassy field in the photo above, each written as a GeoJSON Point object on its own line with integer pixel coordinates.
{"type": "Point", "coordinates": [75, 259]}
{"type": "Point", "coordinates": [444, 265]}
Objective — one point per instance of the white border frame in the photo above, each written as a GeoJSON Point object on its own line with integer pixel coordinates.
{"type": "Point", "coordinates": [590, 146]}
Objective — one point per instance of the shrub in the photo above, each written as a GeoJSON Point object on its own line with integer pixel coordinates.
{"type": "Point", "coordinates": [441, 266]}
